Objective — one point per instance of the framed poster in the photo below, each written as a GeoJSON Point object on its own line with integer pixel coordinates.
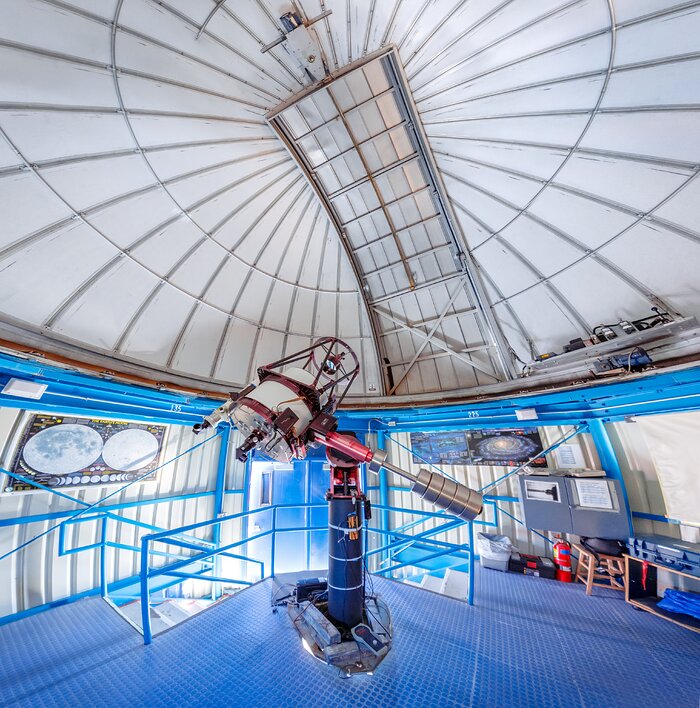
{"type": "Point", "coordinates": [68, 451]}
{"type": "Point", "coordinates": [441, 448]}
{"type": "Point", "coordinates": [506, 447]}
{"type": "Point", "coordinates": [479, 447]}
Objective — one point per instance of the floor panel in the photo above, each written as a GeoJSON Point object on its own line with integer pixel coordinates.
{"type": "Point", "coordinates": [527, 642]}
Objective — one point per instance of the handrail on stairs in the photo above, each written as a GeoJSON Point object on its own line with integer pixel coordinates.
{"type": "Point", "coordinates": [177, 569]}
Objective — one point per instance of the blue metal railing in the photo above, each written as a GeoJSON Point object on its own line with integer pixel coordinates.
{"type": "Point", "coordinates": [177, 568]}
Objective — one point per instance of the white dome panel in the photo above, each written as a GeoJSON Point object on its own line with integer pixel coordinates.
{"type": "Point", "coordinates": [650, 253]}
{"type": "Point", "coordinates": [26, 206]}
{"type": "Point", "coordinates": [39, 24]}
{"type": "Point", "coordinates": [155, 331]}
{"type": "Point", "coordinates": [237, 359]}
{"type": "Point", "coordinates": [34, 133]}
{"type": "Point", "coordinates": [91, 183]}
{"type": "Point", "coordinates": [607, 287]}
{"type": "Point", "coordinates": [43, 81]}
{"type": "Point", "coordinates": [667, 35]}
{"type": "Point", "coordinates": [584, 220]}
{"type": "Point", "coordinates": [197, 345]}
{"type": "Point", "coordinates": [72, 255]}
{"type": "Point", "coordinates": [516, 189]}
{"type": "Point", "coordinates": [101, 313]}
{"type": "Point", "coordinates": [541, 246]}
{"type": "Point", "coordinates": [684, 207]}
{"type": "Point", "coordinates": [639, 185]}
{"type": "Point", "coordinates": [673, 135]}
{"type": "Point", "coordinates": [141, 162]}
{"type": "Point", "coordinates": [147, 214]}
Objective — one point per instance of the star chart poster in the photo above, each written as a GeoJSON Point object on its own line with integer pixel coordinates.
{"type": "Point", "coordinates": [508, 447]}
{"type": "Point", "coordinates": [67, 451]}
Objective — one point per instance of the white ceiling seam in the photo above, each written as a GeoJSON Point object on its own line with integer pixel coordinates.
{"type": "Point", "coordinates": [568, 133]}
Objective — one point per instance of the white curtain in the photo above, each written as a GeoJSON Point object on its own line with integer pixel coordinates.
{"type": "Point", "coordinates": [674, 444]}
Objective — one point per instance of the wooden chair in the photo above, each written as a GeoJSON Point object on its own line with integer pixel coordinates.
{"type": "Point", "coordinates": [587, 572]}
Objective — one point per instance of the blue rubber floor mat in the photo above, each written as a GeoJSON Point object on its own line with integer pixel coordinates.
{"type": "Point", "coordinates": [528, 642]}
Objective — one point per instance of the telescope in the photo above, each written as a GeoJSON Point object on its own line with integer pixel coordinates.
{"type": "Point", "coordinates": [290, 410]}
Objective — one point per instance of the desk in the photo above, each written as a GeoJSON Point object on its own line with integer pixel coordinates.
{"type": "Point", "coordinates": [643, 595]}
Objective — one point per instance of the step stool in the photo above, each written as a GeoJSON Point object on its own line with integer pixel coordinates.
{"type": "Point", "coordinates": [587, 572]}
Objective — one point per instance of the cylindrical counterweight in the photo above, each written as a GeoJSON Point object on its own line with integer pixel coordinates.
{"type": "Point", "coordinates": [345, 587]}
{"type": "Point", "coordinates": [453, 497]}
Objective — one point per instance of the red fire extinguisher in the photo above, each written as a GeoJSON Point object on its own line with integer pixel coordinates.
{"type": "Point", "coordinates": [562, 559]}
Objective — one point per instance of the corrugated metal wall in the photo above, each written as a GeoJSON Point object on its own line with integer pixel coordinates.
{"type": "Point", "coordinates": [637, 467]}
{"type": "Point", "coordinates": [475, 477]}
{"type": "Point", "coordinates": [37, 575]}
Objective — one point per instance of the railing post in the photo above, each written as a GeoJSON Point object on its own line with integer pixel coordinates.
{"type": "Point", "coordinates": [470, 590]}
{"type": "Point", "coordinates": [145, 592]}
{"type": "Point", "coordinates": [103, 557]}
{"type": "Point", "coordinates": [273, 541]}
{"type": "Point", "coordinates": [219, 492]}
{"type": "Point", "coordinates": [383, 492]}
{"type": "Point", "coordinates": [246, 503]}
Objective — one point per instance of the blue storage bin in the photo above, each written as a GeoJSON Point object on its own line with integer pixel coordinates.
{"type": "Point", "coordinates": [671, 552]}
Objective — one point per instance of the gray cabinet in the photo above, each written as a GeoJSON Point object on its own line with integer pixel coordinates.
{"type": "Point", "coordinates": [585, 506]}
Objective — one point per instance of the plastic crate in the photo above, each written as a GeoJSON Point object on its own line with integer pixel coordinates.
{"type": "Point", "coordinates": [664, 550]}
{"type": "Point", "coordinates": [494, 563]}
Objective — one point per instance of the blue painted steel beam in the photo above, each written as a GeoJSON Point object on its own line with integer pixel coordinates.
{"type": "Point", "coordinates": [609, 461]}
{"type": "Point", "coordinates": [383, 489]}
{"type": "Point", "coordinates": [221, 466]}
{"type": "Point", "coordinates": [81, 394]}
{"type": "Point", "coordinates": [111, 507]}
{"type": "Point", "coordinates": [643, 395]}
{"type": "Point", "coordinates": [71, 393]}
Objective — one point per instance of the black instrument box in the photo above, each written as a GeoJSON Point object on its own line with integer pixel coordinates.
{"type": "Point", "coordinates": [532, 565]}
{"type": "Point", "coordinates": [309, 586]}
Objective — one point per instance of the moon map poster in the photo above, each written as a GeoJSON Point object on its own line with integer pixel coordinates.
{"type": "Point", "coordinates": [507, 447]}
{"type": "Point", "coordinates": [66, 451]}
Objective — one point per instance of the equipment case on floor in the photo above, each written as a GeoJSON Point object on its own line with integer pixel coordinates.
{"type": "Point", "coordinates": [532, 565]}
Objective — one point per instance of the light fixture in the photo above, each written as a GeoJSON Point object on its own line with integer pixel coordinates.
{"type": "Point", "coordinates": [21, 388]}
